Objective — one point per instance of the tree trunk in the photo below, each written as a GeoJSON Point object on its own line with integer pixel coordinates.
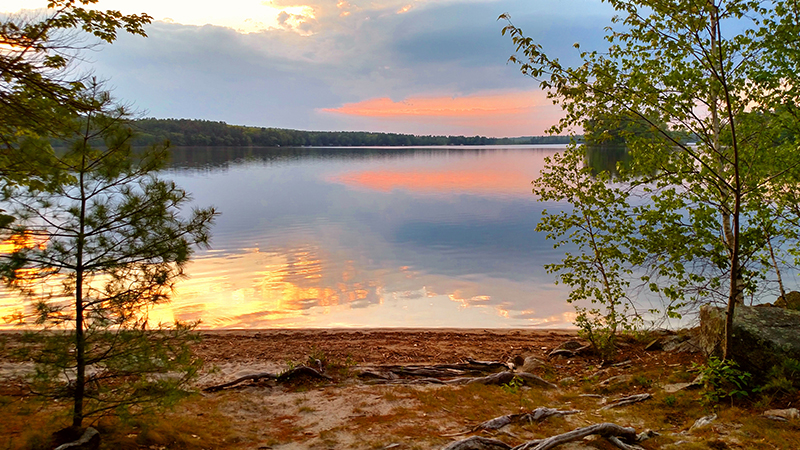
{"type": "Point", "coordinates": [80, 338]}
{"type": "Point", "coordinates": [775, 263]}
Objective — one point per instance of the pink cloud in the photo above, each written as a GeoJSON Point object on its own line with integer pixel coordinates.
{"type": "Point", "coordinates": [514, 113]}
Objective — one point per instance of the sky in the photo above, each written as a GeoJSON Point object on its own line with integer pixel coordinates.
{"type": "Point", "coordinates": [405, 66]}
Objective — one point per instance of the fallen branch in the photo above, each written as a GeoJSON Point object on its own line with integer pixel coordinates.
{"type": "Point", "coordinates": [627, 401]}
{"type": "Point", "coordinates": [289, 375]}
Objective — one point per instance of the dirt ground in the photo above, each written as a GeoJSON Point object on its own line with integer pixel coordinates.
{"type": "Point", "coordinates": [279, 348]}
{"type": "Point", "coordinates": [378, 346]}
{"type": "Point", "coordinates": [350, 412]}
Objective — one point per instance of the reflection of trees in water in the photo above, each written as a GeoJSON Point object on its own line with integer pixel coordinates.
{"type": "Point", "coordinates": [604, 158]}
{"type": "Point", "coordinates": [223, 157]}
{"type": "Point", "coordinates": [205, 158]}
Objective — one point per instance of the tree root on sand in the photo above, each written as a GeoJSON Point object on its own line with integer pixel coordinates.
{"type": "Point", "coordinates": [289, 375]}
{"type": "Point", "coordinates": [622, 437]}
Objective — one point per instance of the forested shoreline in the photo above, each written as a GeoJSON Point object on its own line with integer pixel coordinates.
{"type": "Point", "coordinates": [188, 132]}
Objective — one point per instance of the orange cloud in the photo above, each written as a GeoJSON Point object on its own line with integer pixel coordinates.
{"type": "Point", "coordinates": [519, 113]}
{"type": "Point", "coordinates": [510, 103]}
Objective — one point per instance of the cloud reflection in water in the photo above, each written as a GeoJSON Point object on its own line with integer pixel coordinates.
{"type": "Point", "coordinates": [368, 238]}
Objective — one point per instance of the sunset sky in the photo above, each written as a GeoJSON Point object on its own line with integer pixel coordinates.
{"type": "Point", "coordinates": [408, 66]}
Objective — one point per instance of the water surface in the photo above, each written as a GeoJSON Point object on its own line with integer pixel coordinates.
{"type": "Point", "coordinates": [421, 237]}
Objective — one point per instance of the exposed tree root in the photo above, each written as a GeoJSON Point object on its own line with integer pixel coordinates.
{"type": "Point", "coordinates": [253, 377]}
{"type": "Point", "coordinates": [628, 401]}
{"type": "Point", "coordinates": [528, 379]}
{"type": "Point", "coordinates": [470, 367]}
{"type": "Point", "coordinates": [537, 415]}
{"type": "Point", "coordinates": [622, 437]}
{"type": "Point", "coordinates": [478, 443]}
{"type": "Point", "coordinates": [289, 375]}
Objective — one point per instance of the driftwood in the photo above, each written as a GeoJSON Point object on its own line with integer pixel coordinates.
{"type": "Point", "coordinates": [623, 437]}
{"type": "Point", "coordinates": [289, 375]}
{"type": "Point", "coordinates": [625, 401]}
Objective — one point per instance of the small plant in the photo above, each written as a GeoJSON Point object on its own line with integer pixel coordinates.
{"type": "Point", "coordinates": [642, 381]}
{"type": "Point", "coordinates": [317, 358]}
{"type": "Point", "coordinates": [782, 377]}
{"type": "Point", "coordinates": [514, 387]}
{"type": "Point", "coordinates": [722, 379]}
{"type": "Point", "coordinates": [670, 400]}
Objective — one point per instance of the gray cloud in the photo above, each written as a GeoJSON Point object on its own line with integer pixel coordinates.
{"type": "Point", "coordinates": [281, 78]}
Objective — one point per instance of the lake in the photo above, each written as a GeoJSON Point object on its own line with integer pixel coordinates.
{"type": "Point", "coordinates": [356, 237]}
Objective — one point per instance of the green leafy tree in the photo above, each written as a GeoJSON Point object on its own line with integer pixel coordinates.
{"type": "Point", "coordinates": [39, 83]}
{"type": "Point", "coordinates": [601, 271]}
{"type": "Point", "coordinates": [100, 241]}
{"type": "Point", "coordinates": [724, 72]}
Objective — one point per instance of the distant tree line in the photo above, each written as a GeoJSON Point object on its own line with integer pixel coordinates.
{"type": "Point", "coordinates": [186, 132]}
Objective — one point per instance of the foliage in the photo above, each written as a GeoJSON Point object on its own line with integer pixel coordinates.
{"type": "Point", "coordinates": [185, 132]}
{"type": "Point", "coordinates": [99, 242]}
{"type": "Point", "coordinates": [725, 73]}
{"type": "Point", "coordinates": [783, 377]}
{"type": "Point", "coordinates": [514, 387]}
{"type": "Point", "coordinates": [598, 272]}
{"type": "Point", "coordinates": [39, 86]}
{"type": "Point", "coordinates": [722, 379]}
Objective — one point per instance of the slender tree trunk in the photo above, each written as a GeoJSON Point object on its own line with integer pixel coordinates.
{"type": "Point", "coordinates": [730, 230]}
{"type": "Point", "coordinates": [80, 337]}
{"type": "Point", "coordinates": [775, 263]}
{"type": "Point", "coordinates": [736, 294]}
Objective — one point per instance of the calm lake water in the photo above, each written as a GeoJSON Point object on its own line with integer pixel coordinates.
{"type": "Point", "coordinates": [397, 237]}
